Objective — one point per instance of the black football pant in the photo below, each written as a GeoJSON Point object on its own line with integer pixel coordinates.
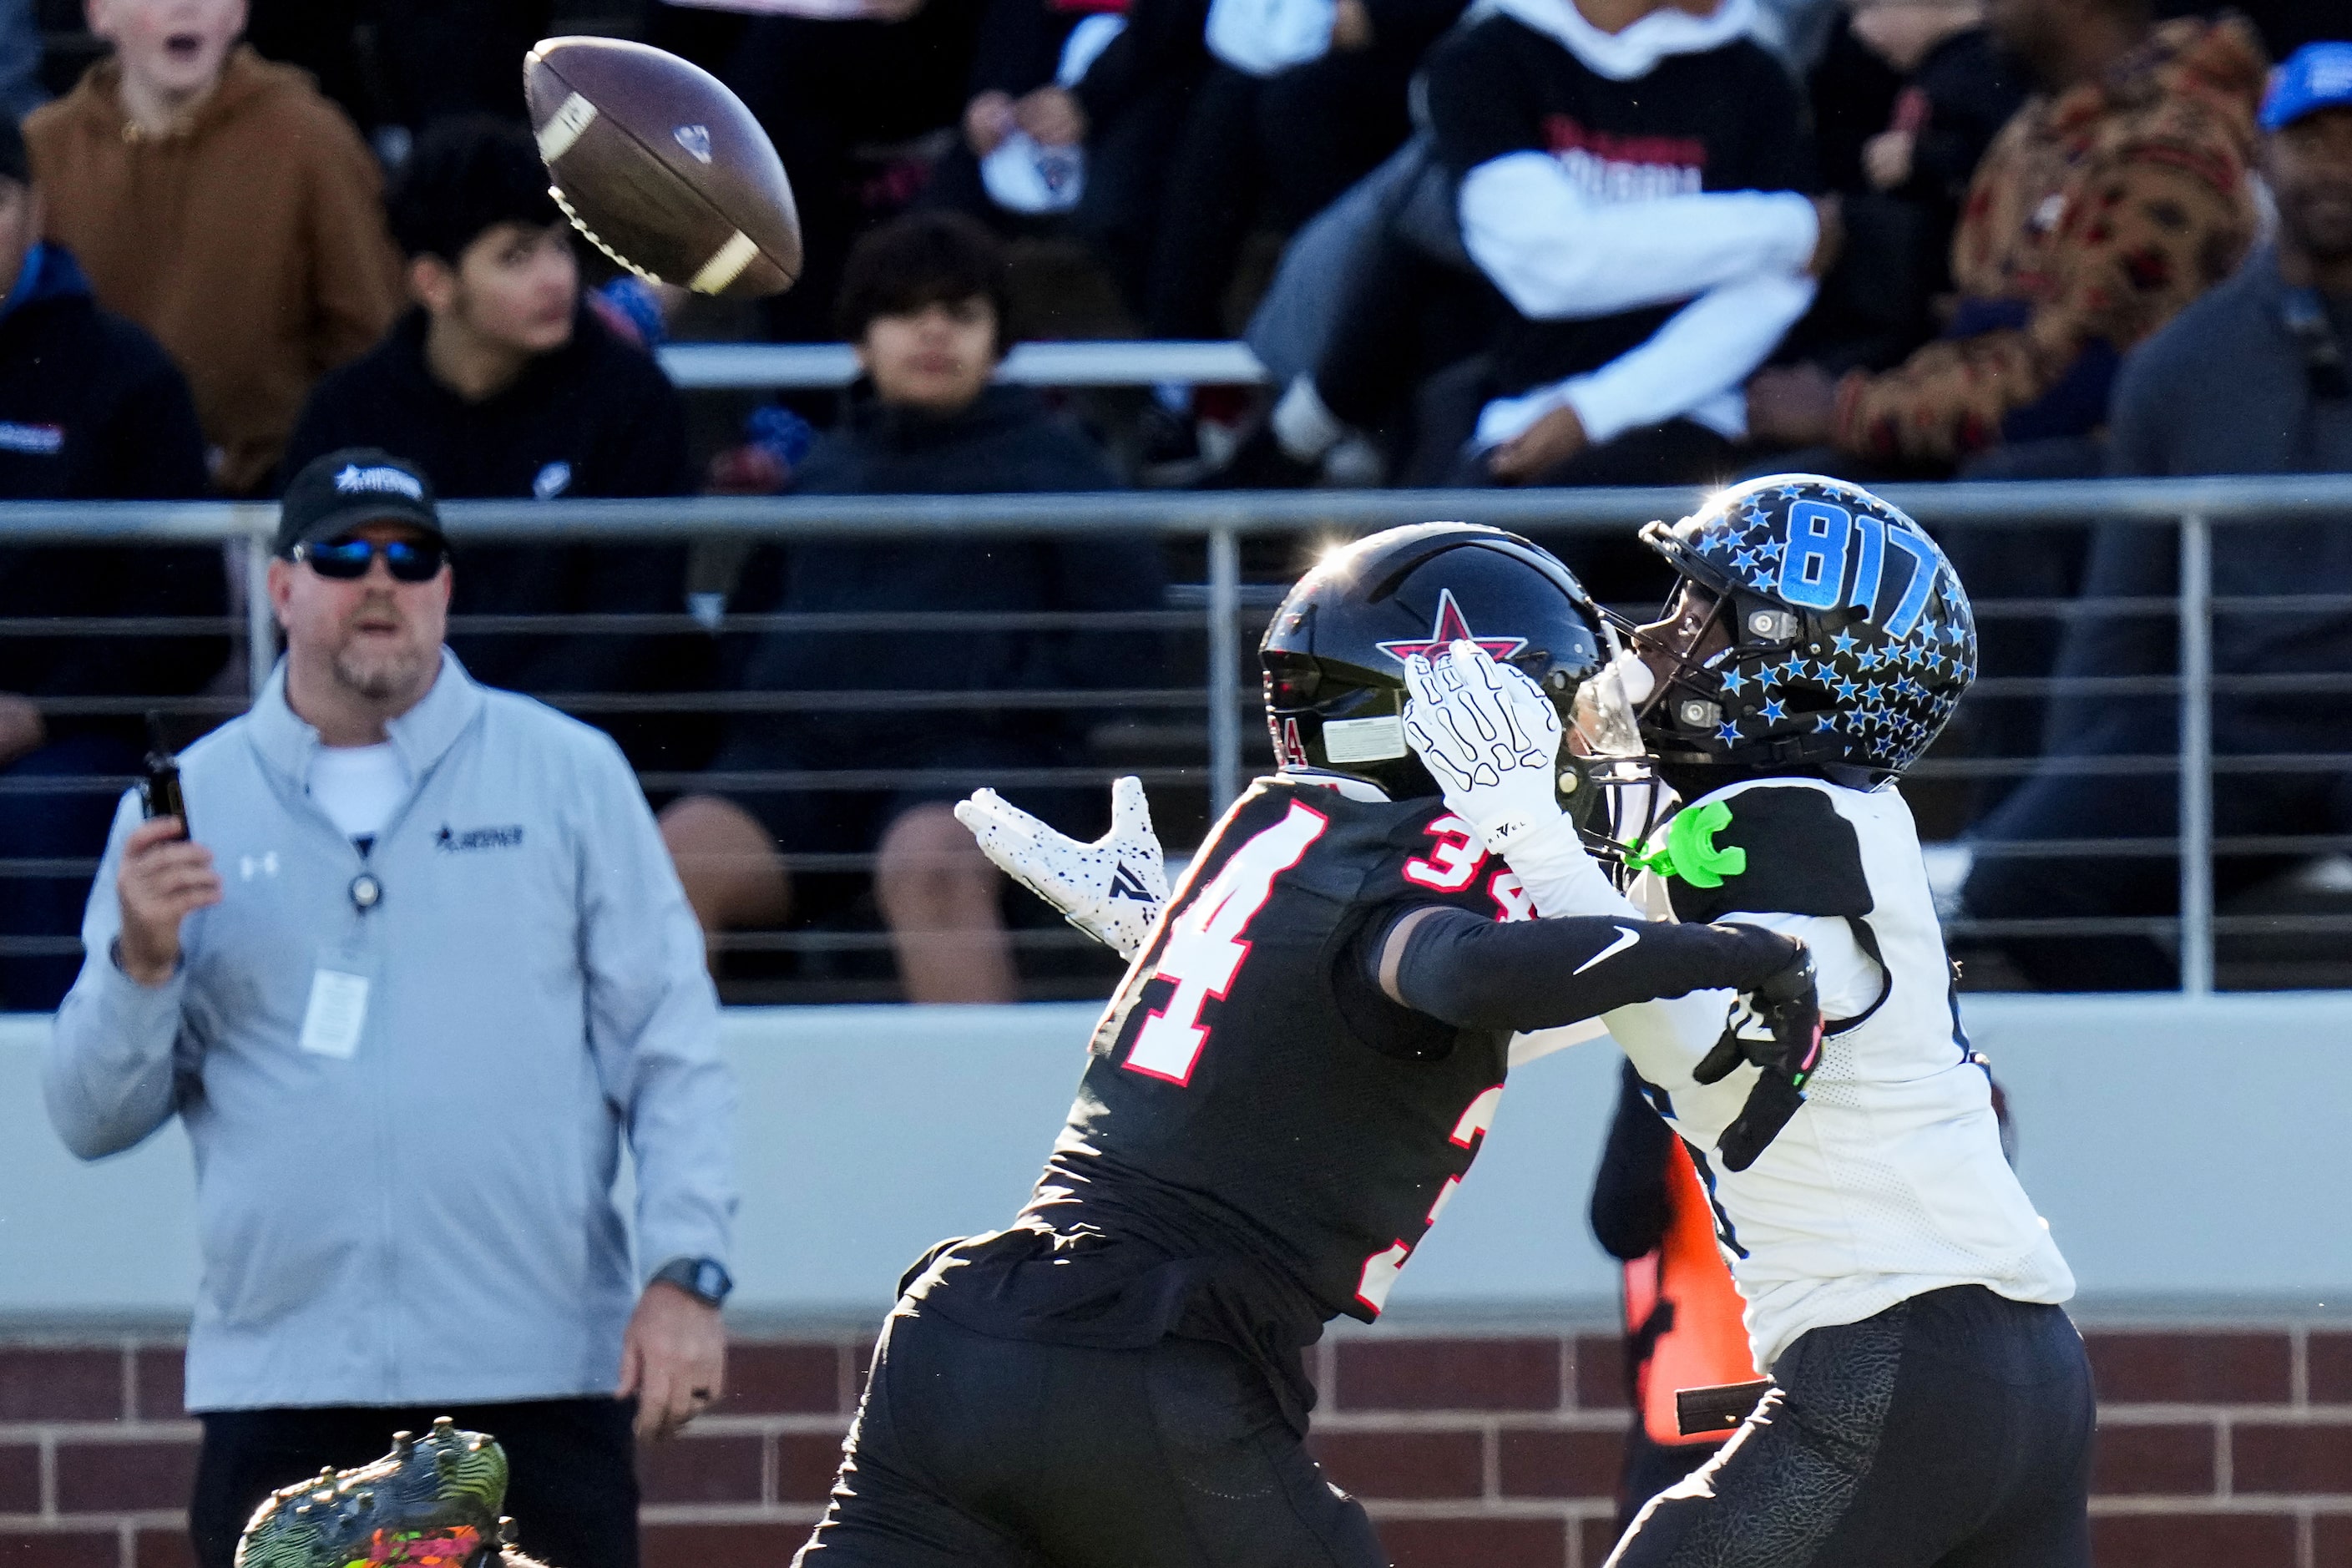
{"type": "Point", "coordinates": [1650, 1468]}
{"type": "Point", "coordinates": [978, 1452]}
{"type": "Point", "coordinates": [571, 1488]}
{"type": "Point", "coordinates": [1952, 1430]}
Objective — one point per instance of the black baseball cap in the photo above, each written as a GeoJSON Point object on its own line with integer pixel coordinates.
{"type": "Point", "coordinates": [343, 489]}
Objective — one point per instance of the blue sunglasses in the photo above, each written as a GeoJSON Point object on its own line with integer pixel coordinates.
{"type": "Point", "coordinates": [346, 560]}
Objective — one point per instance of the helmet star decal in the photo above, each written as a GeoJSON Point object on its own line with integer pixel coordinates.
{"type": "Point", "coordinates": [1452, 628]}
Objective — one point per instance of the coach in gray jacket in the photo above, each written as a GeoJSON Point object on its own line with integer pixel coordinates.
{"type": "Point", "coordinates": [422, 967]}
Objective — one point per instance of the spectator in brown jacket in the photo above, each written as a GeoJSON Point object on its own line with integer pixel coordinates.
{"type": "Point", "coordinates": [221, 202]}
{"type": "Point", "coordinates": [2115, 196]}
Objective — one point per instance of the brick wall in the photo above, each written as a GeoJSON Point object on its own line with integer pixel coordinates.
{"type": "Point", "coordinates": [2221, 1448]}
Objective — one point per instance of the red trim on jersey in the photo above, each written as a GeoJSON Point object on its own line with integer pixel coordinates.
{"type": "Point", "coordinates": [1478, 1117]}
{"type": "Point", "coordinates": [1403, 1249]}
{"type": "Point", "coordinates": [1512, 900]}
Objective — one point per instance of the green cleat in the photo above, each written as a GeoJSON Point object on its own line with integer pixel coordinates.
{"type": "Point", "coordinates": [430, 1501]}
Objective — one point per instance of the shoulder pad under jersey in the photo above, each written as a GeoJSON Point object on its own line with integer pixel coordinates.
{"type": "Point", "coordinates": [1766, 849]}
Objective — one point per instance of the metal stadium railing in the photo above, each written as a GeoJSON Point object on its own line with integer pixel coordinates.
{"type": "Point", "coordinates": [714, 367]}
{"type": "Point", "coordinates": [1201, 736]}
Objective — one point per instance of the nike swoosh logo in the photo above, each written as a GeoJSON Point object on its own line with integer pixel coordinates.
{"type": "Point", "coordinates": [1626, 937]}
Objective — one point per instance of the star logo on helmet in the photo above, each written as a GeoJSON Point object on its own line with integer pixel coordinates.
{"type": "Point", "coordinates": [1452, 628]}
{"type": "Point", "coordinates": [1843, 642]}
{"type": "Point", "coordinates": [1772, 712]}
{"type": "Point", "coordinates": [1728, 733]}
{"type": "Point", "coordinates": [1733, 682]}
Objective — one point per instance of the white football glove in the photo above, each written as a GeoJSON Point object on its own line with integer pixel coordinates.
{"type": "Point", "coordinates": [1112, 889]}
{"type": "Point", "coordinates": [1491, 739]}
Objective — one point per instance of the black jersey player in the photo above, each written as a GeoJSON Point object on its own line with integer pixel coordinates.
{"type": "Point", "coordinates": [1304, 1057]}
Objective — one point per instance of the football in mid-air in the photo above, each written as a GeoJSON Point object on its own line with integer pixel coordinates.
{"type": "Point", "coordinates": [662, 167]}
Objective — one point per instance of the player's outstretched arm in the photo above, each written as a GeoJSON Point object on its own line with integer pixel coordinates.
{"type": "Point", "coordinates": [1482, 973]}
{"type": "Point", "coordinates": [1112, 888]}
{"type": "Point", "coordinates": [1491, 739]}
{"type": "Point", "coordinates": [1520, 975]}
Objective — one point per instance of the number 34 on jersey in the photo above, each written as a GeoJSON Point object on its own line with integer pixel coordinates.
{"type": "Point", "coordinates": [1205, 950]}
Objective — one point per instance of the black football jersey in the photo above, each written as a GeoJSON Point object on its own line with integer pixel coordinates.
{"type": "Point", "coordinates": [1262, 1135]}
{"type": "Point", "coordinates": [1251, 1093]}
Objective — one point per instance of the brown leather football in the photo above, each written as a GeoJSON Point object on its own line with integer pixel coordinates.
{"type": "Point", "coordinates": [662, 167]}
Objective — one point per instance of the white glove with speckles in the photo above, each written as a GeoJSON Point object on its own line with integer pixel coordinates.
{"type": "Point", "coordinates": [1112, 889]}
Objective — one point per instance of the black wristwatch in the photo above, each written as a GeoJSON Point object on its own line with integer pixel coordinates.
{"type": "Point", "coordinates": [704, 1278]}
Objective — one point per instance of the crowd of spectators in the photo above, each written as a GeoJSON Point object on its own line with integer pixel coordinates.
{"type": "Point", "coordinates": [1527, 242]}
{"type": "Point", "coordinates": [2251, 379]}
{"type": "Point", "coordinates": [925, 307]}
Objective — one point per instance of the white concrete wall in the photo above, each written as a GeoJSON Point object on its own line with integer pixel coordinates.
{"type": "Point", "coordinates": [2192, 1156]}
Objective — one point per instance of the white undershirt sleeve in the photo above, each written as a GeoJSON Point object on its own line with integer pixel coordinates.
{"type": "Point", "coordinates": [1562, 877]}
{"type": "Point", "coordinates": [1559, 254]}
{"type": "Point", "coordinates": [1689, 368]}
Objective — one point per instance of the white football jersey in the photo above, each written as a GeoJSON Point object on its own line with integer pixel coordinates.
{"type": "Point", "coordinates": [1890, 1181]}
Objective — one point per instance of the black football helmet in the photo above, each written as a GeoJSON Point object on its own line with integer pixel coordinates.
{"type": "Point", "coordinates": [1850, 637]}
{"type": "Point", "coordinates": [1334, 656]}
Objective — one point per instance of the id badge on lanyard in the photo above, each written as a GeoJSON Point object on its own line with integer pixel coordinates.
{"type": "Point", "coordinates": [336, 1016]}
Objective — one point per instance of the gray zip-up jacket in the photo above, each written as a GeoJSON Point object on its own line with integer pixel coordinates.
{"type": "Point", "coordinates": [429, 1218]}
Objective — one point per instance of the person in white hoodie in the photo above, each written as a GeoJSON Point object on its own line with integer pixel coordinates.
{"type": "Point", "coordinates": [1630, 178]}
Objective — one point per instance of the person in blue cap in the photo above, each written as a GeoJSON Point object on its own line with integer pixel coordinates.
{"type": "Point", "coordinates": [2251, 379]}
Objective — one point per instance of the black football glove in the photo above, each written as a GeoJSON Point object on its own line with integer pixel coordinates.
{"type": "Point", "coordinates": [1777, 1027]}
